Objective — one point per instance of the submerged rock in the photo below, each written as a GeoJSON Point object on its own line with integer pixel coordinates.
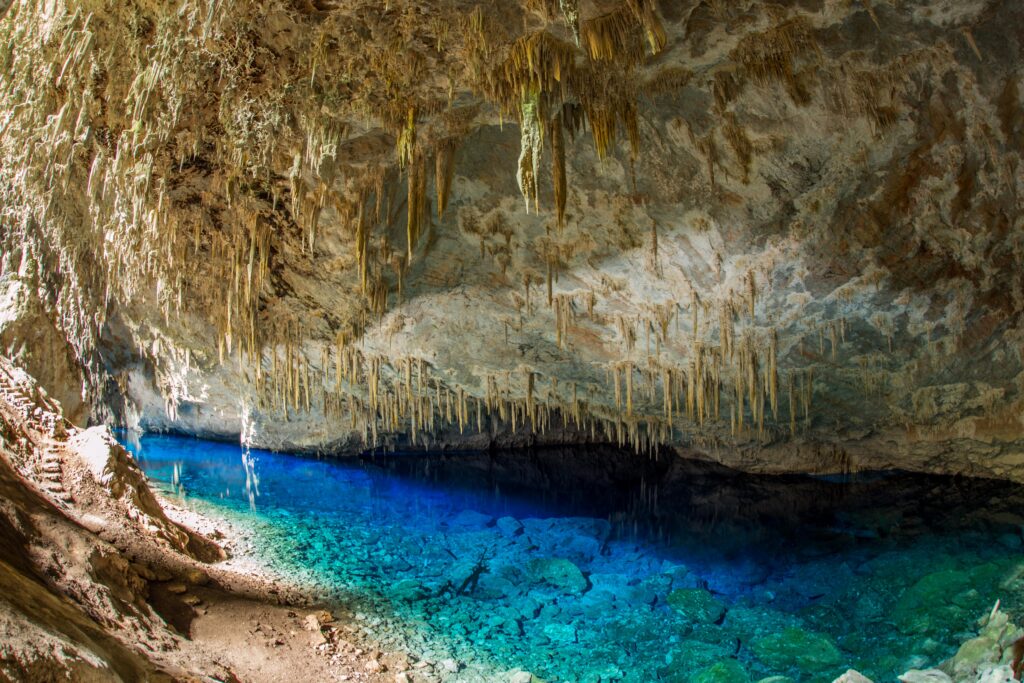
{"type": "Point", "coordinates": [696, 604]}
{"type": "Point", "coordinates": [509, 526]}
{"type": "Point", "coordinates": [470, 519]}
{"type": "Point", "coordinates": [928, 599]}
{"type": "Point", "coordinates": [927, 676]}
{"type": "Point", "coordinates": [795, 647]}
{"type": "Point", "coordinates": [409, 590]}
{"type": "Point", "coordinates": [562, 634]}
{"type": "Point", "coordinates": [558, 573]}
{"type": "Point", "coordinates": [689, 656]}
{"type": "Point", "coordinates": [726, 671]}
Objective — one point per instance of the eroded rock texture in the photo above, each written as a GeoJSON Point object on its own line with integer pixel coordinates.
{"type": "Point", "coordinates": [783, 235]}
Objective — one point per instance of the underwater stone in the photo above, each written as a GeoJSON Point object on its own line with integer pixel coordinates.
{"type": "Point", "coordinates": [610, 587]}
{"type": "Point", "coordinates": [491, 587]}
{"type": "Point", "coordinates": [726, 671]}
{"type": "Point", "coordinates": [851, 676]}
{"type": "Point", "coordinates": [997, 674]}
{"type": "Point", "coordinates": [409, 590]}
{"type": "Point", "coordinates": [688, 656]}
{"type": "Point", "coordinates": [927, 676]}
{"type": "Point", "coordinates": [510, 526]}
{"type": "Point", "coordinates": [696, 604]}
{"type": "Point", "coordinates": [746, 622]}
{"type": "Point", "coordinates": [679, 576]}
{"type": "Point", "coordinates": [604, 674]}
{"type": "Point", "coordinates": [470, 519]}
{"type": "Point", "coordinates": [805, 650]}
{"type": "Point", "coordinates": [919, 604]}
{"type": "Point", "coordinates": [561, 634]}
{"type": "Point", "coordinates": [558, 573]}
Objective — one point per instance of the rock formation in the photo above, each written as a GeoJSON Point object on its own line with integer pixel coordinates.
{"type": "Point", "coordinates": [786, 235]}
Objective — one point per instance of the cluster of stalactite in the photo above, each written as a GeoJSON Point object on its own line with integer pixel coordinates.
{"type": "Point", "coordinates": [109, 186]}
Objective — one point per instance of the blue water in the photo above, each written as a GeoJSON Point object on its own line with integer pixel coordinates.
{"type": "Point", "coordinates": [595, 565]}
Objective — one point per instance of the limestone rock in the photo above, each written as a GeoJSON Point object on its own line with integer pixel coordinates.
{"type": "Point", "coordinates": [926, 676]}
{"type": "Point", "coordinates": [810, 652]}
{"type": "Point", "coordinates": [409, 590]}
{"type": "Point", "coordinates": [696, 604]}
{"type": "Point", "coordinates": [558, 573]}
{"type": "Point", "coordinates": [852, 209]}
{"type": "Point", "coordinates": [725, 671]}
{"type": "Point", "coordinates": [510, 526]}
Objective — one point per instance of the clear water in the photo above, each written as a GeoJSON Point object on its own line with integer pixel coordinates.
{"type": "Point", "coordinates": [596, 565]}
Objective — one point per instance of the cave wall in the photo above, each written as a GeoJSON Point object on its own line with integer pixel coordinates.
{"type": "Point", "coordinates": [788, 236]}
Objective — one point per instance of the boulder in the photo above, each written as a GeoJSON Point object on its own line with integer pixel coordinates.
{"type": "Point", "coordinates": [409, 590]}
{"type": "Point", "coordinates": [560, 634]}
{"type": "Point", "coordinates": [510, 526]}
{"type": "Point", "coordinates": [558, 573]}
{"type": "Point", "coordinates": [696, 604]}
{"type": "Point", "coordinates": [470, 519]}
{"type": "Point", "coordinates": [810, 652]}
{"type": "Point", "coordinates": [926, 676]}
{"type": "Point", "coordinates": [725, 671]}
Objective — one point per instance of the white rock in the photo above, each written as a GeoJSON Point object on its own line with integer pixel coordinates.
{"type": "Point", "coordinates": [926, 676]}
{"type": "Point", "coordinates": [997, 674]}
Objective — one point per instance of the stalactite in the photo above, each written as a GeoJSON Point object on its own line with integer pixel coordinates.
{"type": "Point", "coordinates": [628, 369]}
{"type": "Point", "coordinates": [558, 168]}
{"type": "Point", "coordinates": [530, 404]}
{"type": "Point", "coordinates": [773, 374]}
{"type": "Point", "coordinates": [417, 190]}
{"type": "Point", "coordinates": [444, 162]}
{"type": "Point", "coordinates": [571, 13]}
{"type": "Point", "coordinates": [530, 146]}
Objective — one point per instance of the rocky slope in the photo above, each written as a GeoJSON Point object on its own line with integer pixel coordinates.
{"type": "Point", "coordinates": [786, 235]}
{"type": "Point", "coordinates": [97, 583]}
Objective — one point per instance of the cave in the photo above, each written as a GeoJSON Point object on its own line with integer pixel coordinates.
{"type": "Point", "coordinates": [417, 341]}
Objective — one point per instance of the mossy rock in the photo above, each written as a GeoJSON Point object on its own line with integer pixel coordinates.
{"type": "Point", "coordinates": [696, 604]}
{"type": "Point", "coordinates": [725, 671]}
{"type": "Point", "coordinates": [794, 647]}
{"type": "Point", "coordinates": [917, 609]}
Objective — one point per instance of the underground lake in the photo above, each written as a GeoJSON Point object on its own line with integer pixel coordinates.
{"type": "Point", "coordinates": [595, 564]}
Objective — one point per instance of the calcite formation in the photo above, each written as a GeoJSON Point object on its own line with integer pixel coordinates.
{"type": "Point", "coordinates": [786, 236]}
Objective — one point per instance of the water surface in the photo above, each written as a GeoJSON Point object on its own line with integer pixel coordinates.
{"type": "Point", "coordinates": [598, 565]}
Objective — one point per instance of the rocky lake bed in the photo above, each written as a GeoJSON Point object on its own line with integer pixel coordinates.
{"type": "Point", "coordinates": [470, 581]}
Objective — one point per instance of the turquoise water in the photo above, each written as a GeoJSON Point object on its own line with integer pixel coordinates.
{"type": "Point", "coordinates": [591, 565]}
